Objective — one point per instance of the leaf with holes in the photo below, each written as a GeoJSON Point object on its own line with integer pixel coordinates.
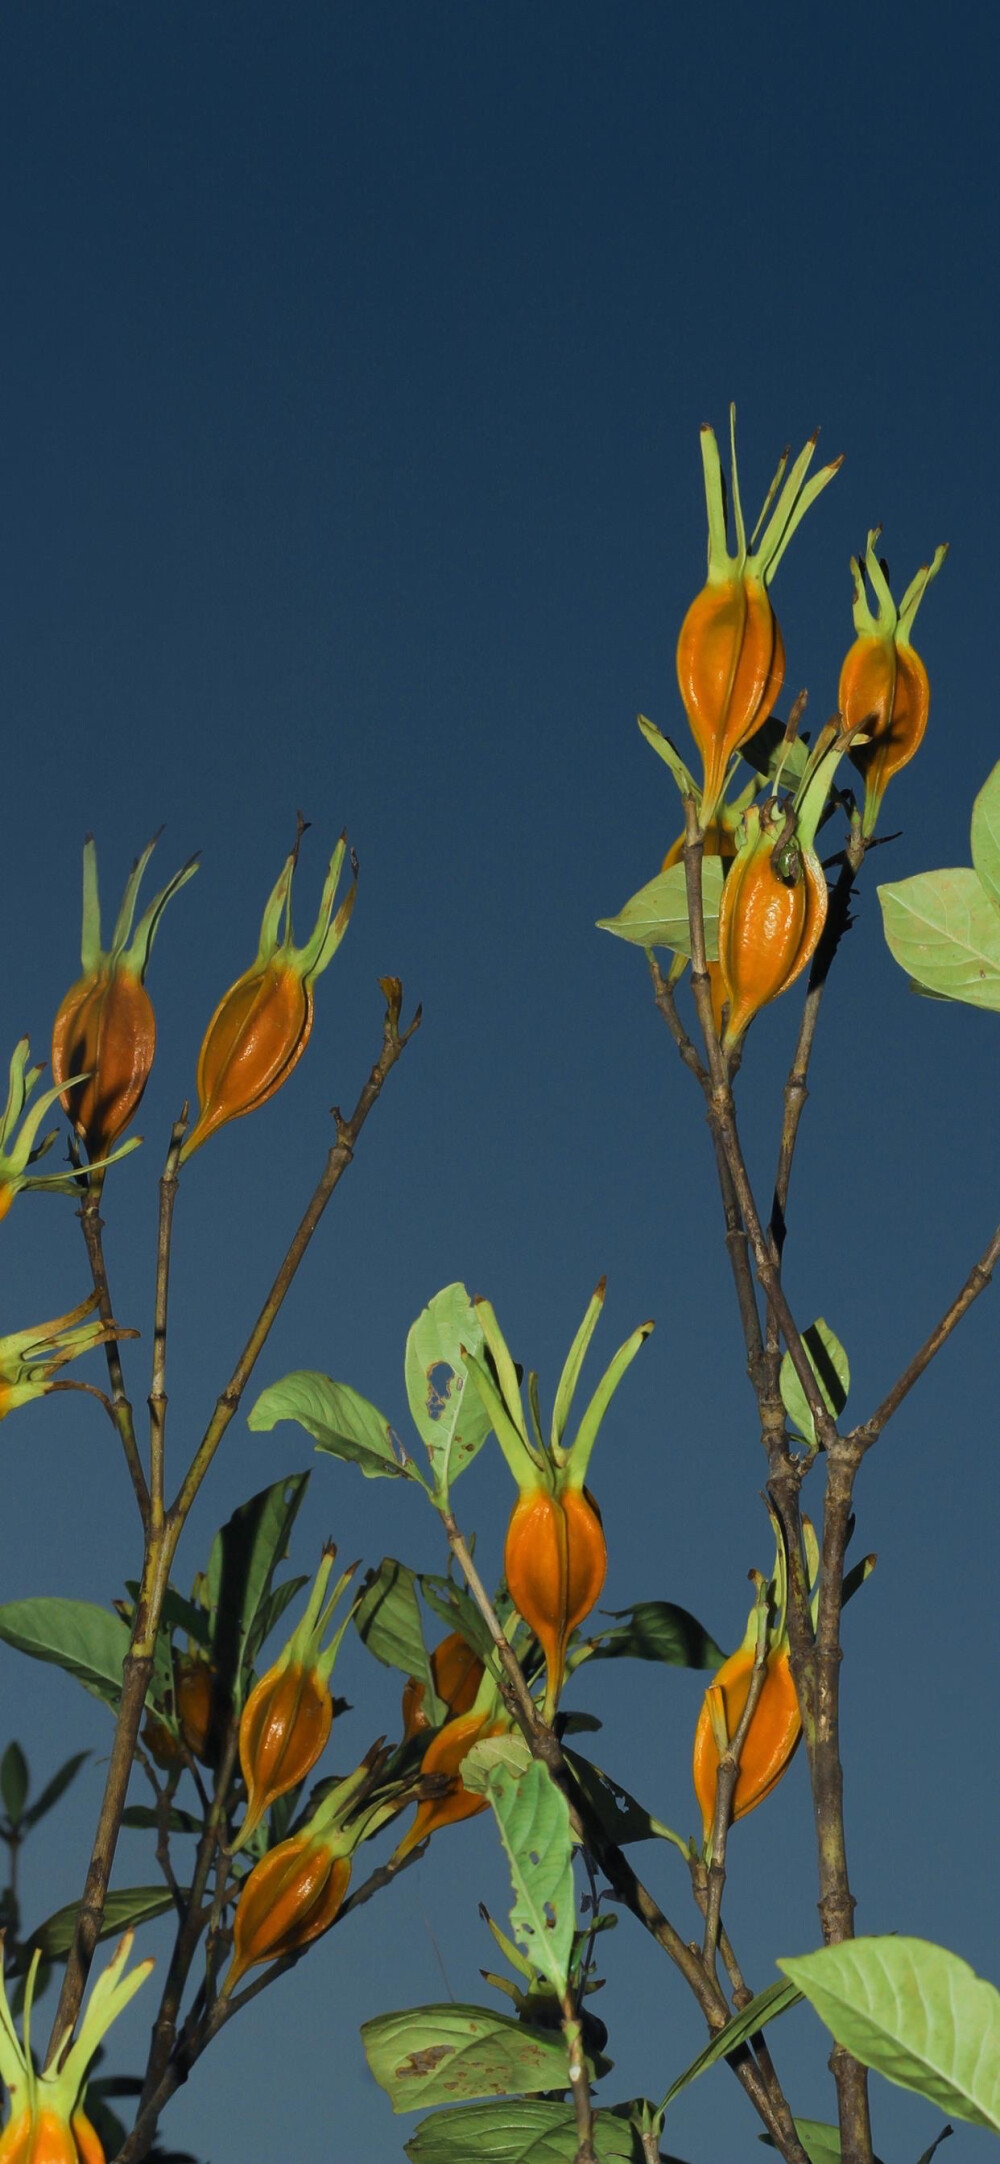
{"type": "Point", "coordinates": [448, 2054]}
{"type": "Point", "coordinates": [533, 1817]}
{"type": "Point", "coordinates": [916, 2014]}
{"type": "Point", "coordinates": [448, 1413]}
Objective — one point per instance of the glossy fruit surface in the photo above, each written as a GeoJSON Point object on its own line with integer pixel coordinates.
{"type": "Point", "coordinates": [555, 1563]}
{"type": "Point", "coordinates": [730, 669]}
{"type": "Point", "coordinates": [769, 928]}
{"type": "Point", "coordinates": [771, 1739]}
{"type": "Point", "coordinates": [284, 1728]}
{"type": "Point", "coordinates": [105, 1029]}
{"type": "Point", "coordinates": [256, 1036]}
{"type": "Point", "coordinates": [45, 2138]}
{"type": "Point", "coordinates": [443, 1756]}
{"type": "Point", "coordinates": [457, 1672]}
{"type": "Point", "coordinates": [291, 1895]}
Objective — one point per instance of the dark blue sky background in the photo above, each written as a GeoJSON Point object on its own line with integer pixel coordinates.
{"type": "Point", "coordinates": [354, 359]}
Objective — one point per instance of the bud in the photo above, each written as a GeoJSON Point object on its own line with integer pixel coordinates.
{"type": "Point", "coordinates": [104, 1035]}
{"type": "Point", "coordinates": [30, 1358]}
{"type": "Point", "coordinates": [261, 1027]}
{"type": "Point", "coordinates": [285, 1724]}
{"type": "Point", "coordinates": [884, 689]}
{"type": "Point", "coordinates": [730, 653]}
{"type": "Point", "coordinates": [456, 1672]}
{"type": "Point", "coordinates": [47, 2124]}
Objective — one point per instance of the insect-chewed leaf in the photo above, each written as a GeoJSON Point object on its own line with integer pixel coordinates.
{"type": "Point", "coordinates": [944, 930]}
{"type": "Point", "coordinates": [446, 2054]}
{"type": "Point", "coordinates": [448, 1413]}
{"type": "Point", "coordinates": [657, 916]}
{"type": "Point", "coordinates": [533, 1818]}
{"type": "Point", "coordinates": [339, 1419]}
{"type": "Point", "coordinates": [622, 1818]}
{"type": "Point", "coordinates": [832, 1369]}
{"type": "Point", "coordinates": [524, 2130]}
{"type": "Point", "coordinates": [915, 2013]}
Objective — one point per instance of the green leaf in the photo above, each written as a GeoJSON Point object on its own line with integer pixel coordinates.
{"type": "Point", "coordinates": [245, 1554]}
{"type": "Point", "coordinates": [89, 1642]}
{"type": "Point", "coordinates": [523, 2131]}
{"type": "Point", "coordinates": [916, 2014]}
{"type": "Point", "coordinates": [387, 1619]}
{"type": "Point", "coordinates": [14, 1782]}
{"type": "Point", "coordinates": [124, 1905]}
{"type": "Point", "coordinates": [986, 834]}
{"type": "Point", "coordinates": [765, 2007]}
{"type": "Point", "coordinates": [456, 1610]}
{"type": "Point", "coordinates": [533, 1817]}
{"type": "Point", "coordinates": [144, 1818]}
{"type": "Point", "coordinates": [616, 1811]}
{"type": "Point", "coordinates": [928, 2153]}
{"type": "Point", "coordinates": [445, 2054]}
{"type": "Point", "coordinates": [341, 1422]}
{"type": "Point", "coordinates": [55, 1788]}
{"type": "Point", "coordinates": [657, 916]}
{"type": "Point", "coordinates": [448, 1413]}
{"type": "Point", "coordinates": [832, 1370]}
{"type": "Point", "coordinates": [654, 1630]}
{"type": "Point", "coordinates": [943, 929]}
{"type": "Point", "coordinates": [763, 751]}
{"type": "Point", "coordinates": [269, 1614]}
{"type": "Point", "coordinates": [820, 2141]}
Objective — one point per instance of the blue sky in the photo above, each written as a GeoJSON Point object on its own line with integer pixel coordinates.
{"type": "Point", "coordinates": [354, 363]}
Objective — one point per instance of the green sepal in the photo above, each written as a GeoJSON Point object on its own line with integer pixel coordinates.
{"type": "Point", "coordinates": [510, 1388]}
{"type": "Point", "coordinates": [571, 1369]}
{"type": "Point", "coordinates": [671, 757]}
{"type": "Point", "coordinates": [14, 1162]}
{"type": "Point", "coordinates": [529, 1468]}
{"type": "Point", "coordinates": [130, 954]}
{"type": "Point", "coordinates": [578, 1456]}
{"type": "Point", "coordinates": [328, 931]}
{"type": "Point", "coordinates": [886, 621]}
{"type": "Point", "coordinates": [793, 501]}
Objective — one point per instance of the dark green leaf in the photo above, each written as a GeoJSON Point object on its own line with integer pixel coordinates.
{"type": "Point", "coordinates": [524, 2130]}
{"type": "Point", "coordinates": [269, 1614]}
{"type": "Point", "coordinates": [55, 1788]}
{"type": "Point", "coordinates": [766, 750]}
{"type": "Point", "coordinates": [388, 1620]}
{"type": "Point", "coordinates": [245, 1554]}
{"type": "Point", "coordinates": [339, 1419]}
{"type": "Point", "coordinates": [763, 2008]}
{"type": "Point", "coordinates": [456, 1609]}
{"type": "Point", "coordinates": [445, 2054]}
{"type": "Point", "coordinates": [14, 1782]}
{"type": "Point", "coordinates": [831, 1367]}
{"type": "Point", "coordinates": [616, 1812]}
{"type": "Point", "coordinates": [655, 1630]}
{"type": "Point", "coordinates": [89, 1642]}
{"type": "Point", "coordinates": [928, 2153]}
{"type": "Point", "coordinates": [124, 1905]}
{"type": "Point", "coordinates": [143, 1818]}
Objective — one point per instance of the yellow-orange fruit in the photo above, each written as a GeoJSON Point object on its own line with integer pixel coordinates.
{"type": "Point", "coordinates": [194, 1698]}
{"type": "Point", "coordinates": [257, 1034]}
{"type": "Point", "coordinates": [291, 1895]}
{"type": "Point", "coordinates": [105, 1029]}
{"type": "Point", "coordinates": [555, 1563]}
{"type": "Point", "coordinates": [769, 928]}
{"type": "Point", "coordinates": [730, 669]}
{"type": "Point", "coordinates": [284, 1728]}
{"type": "Point", "coordinates": [443, 1756]}
{"type": "Point", "coordinates": [770, 1741]}
{"type": "Point", "coordinates": [718, 841]}
{"type": "Point", "coordinates": [457, 1672]}
{"type": "Point", "coordinates": [885, 687]}
{"type": "Point", "coordinates": [45, 2138]}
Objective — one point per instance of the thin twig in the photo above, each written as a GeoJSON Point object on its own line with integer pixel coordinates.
{"type": "Point", "coordinates": [92, 1224]}
{"type": "Point", "coordinates": [158, 1392]}
{"type": "Point", "coordinates": [979, 1277]}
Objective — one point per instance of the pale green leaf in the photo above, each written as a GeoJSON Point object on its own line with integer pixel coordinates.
{"type": "Point", "coordinates": [525, 2130]}
{"type": "Point", "coordinates": [915, 2013]}
{"type": "Point", "coordinates": [446, 2054]}
{"type": "Point", "coordinates": [89, 1642]}
{"type": "Point", "coordinates": [820, 2141]}
{"type": "Point", "coordinates": [657, 916]}
{"type": "Point", "coordinates": [986, 834]}
{"type": "Point", "coordinates": [533, 1817]}
{"type": "Point", "coordinates": [831, 1367]}
{"type": "Point", "coordinates": [765, 2007]}
{"type": "Point", "coordinates": [448, 1413]}
{"type": "Point", "coordinates": [339, 1419]}
{"type": "Point", "coordinates": [943, 929]}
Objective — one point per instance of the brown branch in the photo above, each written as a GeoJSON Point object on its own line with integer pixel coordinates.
{"type": "Point", "coordinates": [979, 1277]}
{"type": "Point", "coordinates": [157, 1392]}
{"type": "Point", "coordinates": [92, 1224]}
